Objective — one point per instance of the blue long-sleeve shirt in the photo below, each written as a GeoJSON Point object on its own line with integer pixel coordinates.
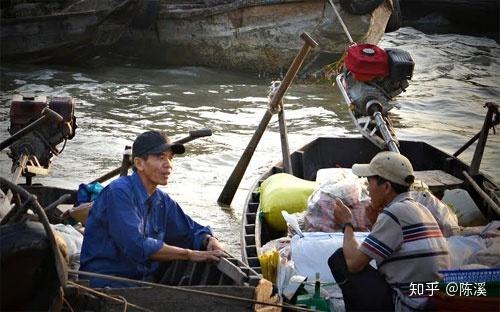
{"type": "Point", "coordinates": [126, 226]}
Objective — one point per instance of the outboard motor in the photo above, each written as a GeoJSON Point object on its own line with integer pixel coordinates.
{"type": "Point", "coordinates": [39, 143]}
{"type": "Point", "coordinates": [371, 79]}
{"type": "Point", "coordinates": [375, 74]}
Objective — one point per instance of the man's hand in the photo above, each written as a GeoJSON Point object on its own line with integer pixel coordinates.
{"type": "Point", "coordinates": [372, 213]}
{"type": "Point", "coordinates": [169, 253]}
{"type": "Point", "coordinates": [354, 258]}
{"type": "Point", "coordinates": [213, 244]}
{"type": "Point", "coordinates": [341, 212]}
{"type": "Point", "coordinates": [208, 256]}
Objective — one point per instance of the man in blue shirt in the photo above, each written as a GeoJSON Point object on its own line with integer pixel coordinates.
{"type": "Point", "coordinates": [133, 225]}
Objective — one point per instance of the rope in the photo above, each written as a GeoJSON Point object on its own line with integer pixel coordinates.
{"type": "Point", "coordinates": [272, 91]}
{"type": "Point", "coordinates": [99, 293]}
{"type": "Point", "coordinates": [342, 23]}
{"type": "Point", "coordinates": [68, 305]}
{"type": "Point", "coordinates": [193, 291]}
{"type": "Point", "coordinates": [125, 302]}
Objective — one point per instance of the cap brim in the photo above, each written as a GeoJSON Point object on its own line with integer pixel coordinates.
{"type": "Point", "coordinates": [176, 149]}
{"type": "Point", "coordinates": [362, 170]}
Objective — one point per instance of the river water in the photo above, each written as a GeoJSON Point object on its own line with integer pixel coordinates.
{"type": "Point", "coordinates": [454, 76]}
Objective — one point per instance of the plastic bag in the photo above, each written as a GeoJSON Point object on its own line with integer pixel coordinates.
{"type": "Point", "coordinates": [73, 240]}
{"type": "Point", "coordinates": [489, 256]}
{"type": "Point", "coordinates": [466, 210]}
{"type": "Point", "coordinates": [461, 248]}
{"type": "Point", "coordinates": [310, 253]}
{"type": "Point", "coordinates": [270, 255]}
{"type": "Point", "coordinates": [269, 264]}
{"type": "Point", "coordinates": [352, 191]}
{"type": "Point", "coordinates": [333, 175]}
{"type": "Point", "coordinates": [87, 192]}
{"type": "Point", "coordinates": [445, 217]}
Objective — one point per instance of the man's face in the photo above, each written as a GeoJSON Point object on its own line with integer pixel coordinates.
{"type": "Point", "coordinates": [378, 193]}
{"type": "Point", "coordinates": [156, 169]}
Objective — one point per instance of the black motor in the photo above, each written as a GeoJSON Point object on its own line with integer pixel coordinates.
{"type": "Point", "coordinates": [40, 145]}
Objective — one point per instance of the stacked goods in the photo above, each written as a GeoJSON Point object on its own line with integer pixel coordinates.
{"type": "Point", "coordinates": [286, 192]}
{"type": "Point", "coordinates": [269, 263]}
{"type": "Point", "coordinates": [343, 184]}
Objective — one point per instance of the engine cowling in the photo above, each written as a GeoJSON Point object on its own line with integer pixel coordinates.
{"type": "Point", "coordinates": [42, 142]}
{"type": "Point", "coordinates": [376, 75]}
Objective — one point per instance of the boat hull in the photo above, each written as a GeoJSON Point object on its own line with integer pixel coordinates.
{"type": "Point", "coordinates": [261, 36]}
{"type": "Point", "coordinates": [329, 152]}
{"type": "Point", "coordinates": [67, 35]}
{"type": "Point", "coordinates": [26, 253]}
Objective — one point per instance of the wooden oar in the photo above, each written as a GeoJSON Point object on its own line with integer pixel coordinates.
{"type": "Point", "coordinates": [234, 180]}
{"type": "Point", "coordinates": [285, 150]}
{"type": "Point", "coordinates": [195, 134]}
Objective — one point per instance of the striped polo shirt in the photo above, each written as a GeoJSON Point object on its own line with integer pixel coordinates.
{"type": "Point", "coordinates": [407, 244]}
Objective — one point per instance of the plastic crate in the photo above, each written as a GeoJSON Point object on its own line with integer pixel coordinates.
{"type": "Point", "coordinates": [471, 276]}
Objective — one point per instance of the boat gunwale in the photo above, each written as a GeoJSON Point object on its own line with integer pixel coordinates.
{"type": "Point", "coordinates": [59, 15]}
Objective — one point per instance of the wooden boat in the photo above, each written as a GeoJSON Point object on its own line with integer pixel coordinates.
{"type": "Point", "coordinates": [28, 264]}
{"type": "Point", "coordinates": [39, 31]}
{"type": "Point", "coordinates": [35, 263]}
{"type": "Point", "coordinates": [436, 168]}
{"type": "Point", "coordinates": [251, 35]}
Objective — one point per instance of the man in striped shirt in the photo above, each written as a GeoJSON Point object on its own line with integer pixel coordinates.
{"type": "Point", "coordinates": [405, 242]}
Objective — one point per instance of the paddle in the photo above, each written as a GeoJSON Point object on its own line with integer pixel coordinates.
{"type": "Point", "coordinates": [234, 180]}
{"type": "Point", "coordinates": [194, 134]}
{"type": "Point", "coordinates": [287, 163]}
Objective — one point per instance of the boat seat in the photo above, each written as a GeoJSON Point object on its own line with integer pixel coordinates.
{"type": "Point", "coordinates": [438, 180]}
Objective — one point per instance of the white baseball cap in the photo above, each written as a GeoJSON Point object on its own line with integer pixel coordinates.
{"type": "Point", "coordinates": [391, 166]}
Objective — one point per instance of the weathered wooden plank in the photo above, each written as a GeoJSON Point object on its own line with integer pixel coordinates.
{"type": "Point", "coordinates": [438, 180]}
{"type": "Point", "coordinates": [162, 299]}
{"type": "Point", "coordinates": [232, 271]}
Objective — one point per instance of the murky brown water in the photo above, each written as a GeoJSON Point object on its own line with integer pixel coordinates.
{"type": "Point", "coordinates": [454, 76]}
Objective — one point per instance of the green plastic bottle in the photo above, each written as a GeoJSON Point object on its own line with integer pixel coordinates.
{"type": "Point", "coordinates": [314, 302]}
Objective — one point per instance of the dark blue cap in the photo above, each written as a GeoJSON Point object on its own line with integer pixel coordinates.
{"type": "Point", "coordinates": [154, 142]}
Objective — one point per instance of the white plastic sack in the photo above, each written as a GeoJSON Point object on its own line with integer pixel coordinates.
{"type": "Point", "coordinates": [445, 217]}
{"type": "Point", "coordinates": [73, 240]}
{"type": "Point", "coordinates": [310, 253]}
{"type": "Point", "coordinates": [333, 175]}
{"type": "Point", "coordinates": [466, 210]}
{"type": "Point", "coordinates": [490, 256]}
{"type": "Point", "coordinates": [461, 248]}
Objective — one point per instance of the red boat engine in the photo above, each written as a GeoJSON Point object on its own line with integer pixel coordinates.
{"type": "Point", "coordinates": [41, 143]}
{"type": "Point", "coordinates": [375, 75]}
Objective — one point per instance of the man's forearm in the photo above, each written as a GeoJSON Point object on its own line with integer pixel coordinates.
{"type": "Point", "coordinates": [354, 258]}
{"type": "Point", "coordinates": [169, 253]}
{"type": "Point", "coordinates": [350, 244]}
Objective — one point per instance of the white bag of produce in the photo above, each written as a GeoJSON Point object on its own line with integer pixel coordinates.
{"type": "Point", "coordinates": [310, 253]}
{"type": "Point", "coordinates": [445, 217]}
{"type": "Point", "coordinates": [466, 210]}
